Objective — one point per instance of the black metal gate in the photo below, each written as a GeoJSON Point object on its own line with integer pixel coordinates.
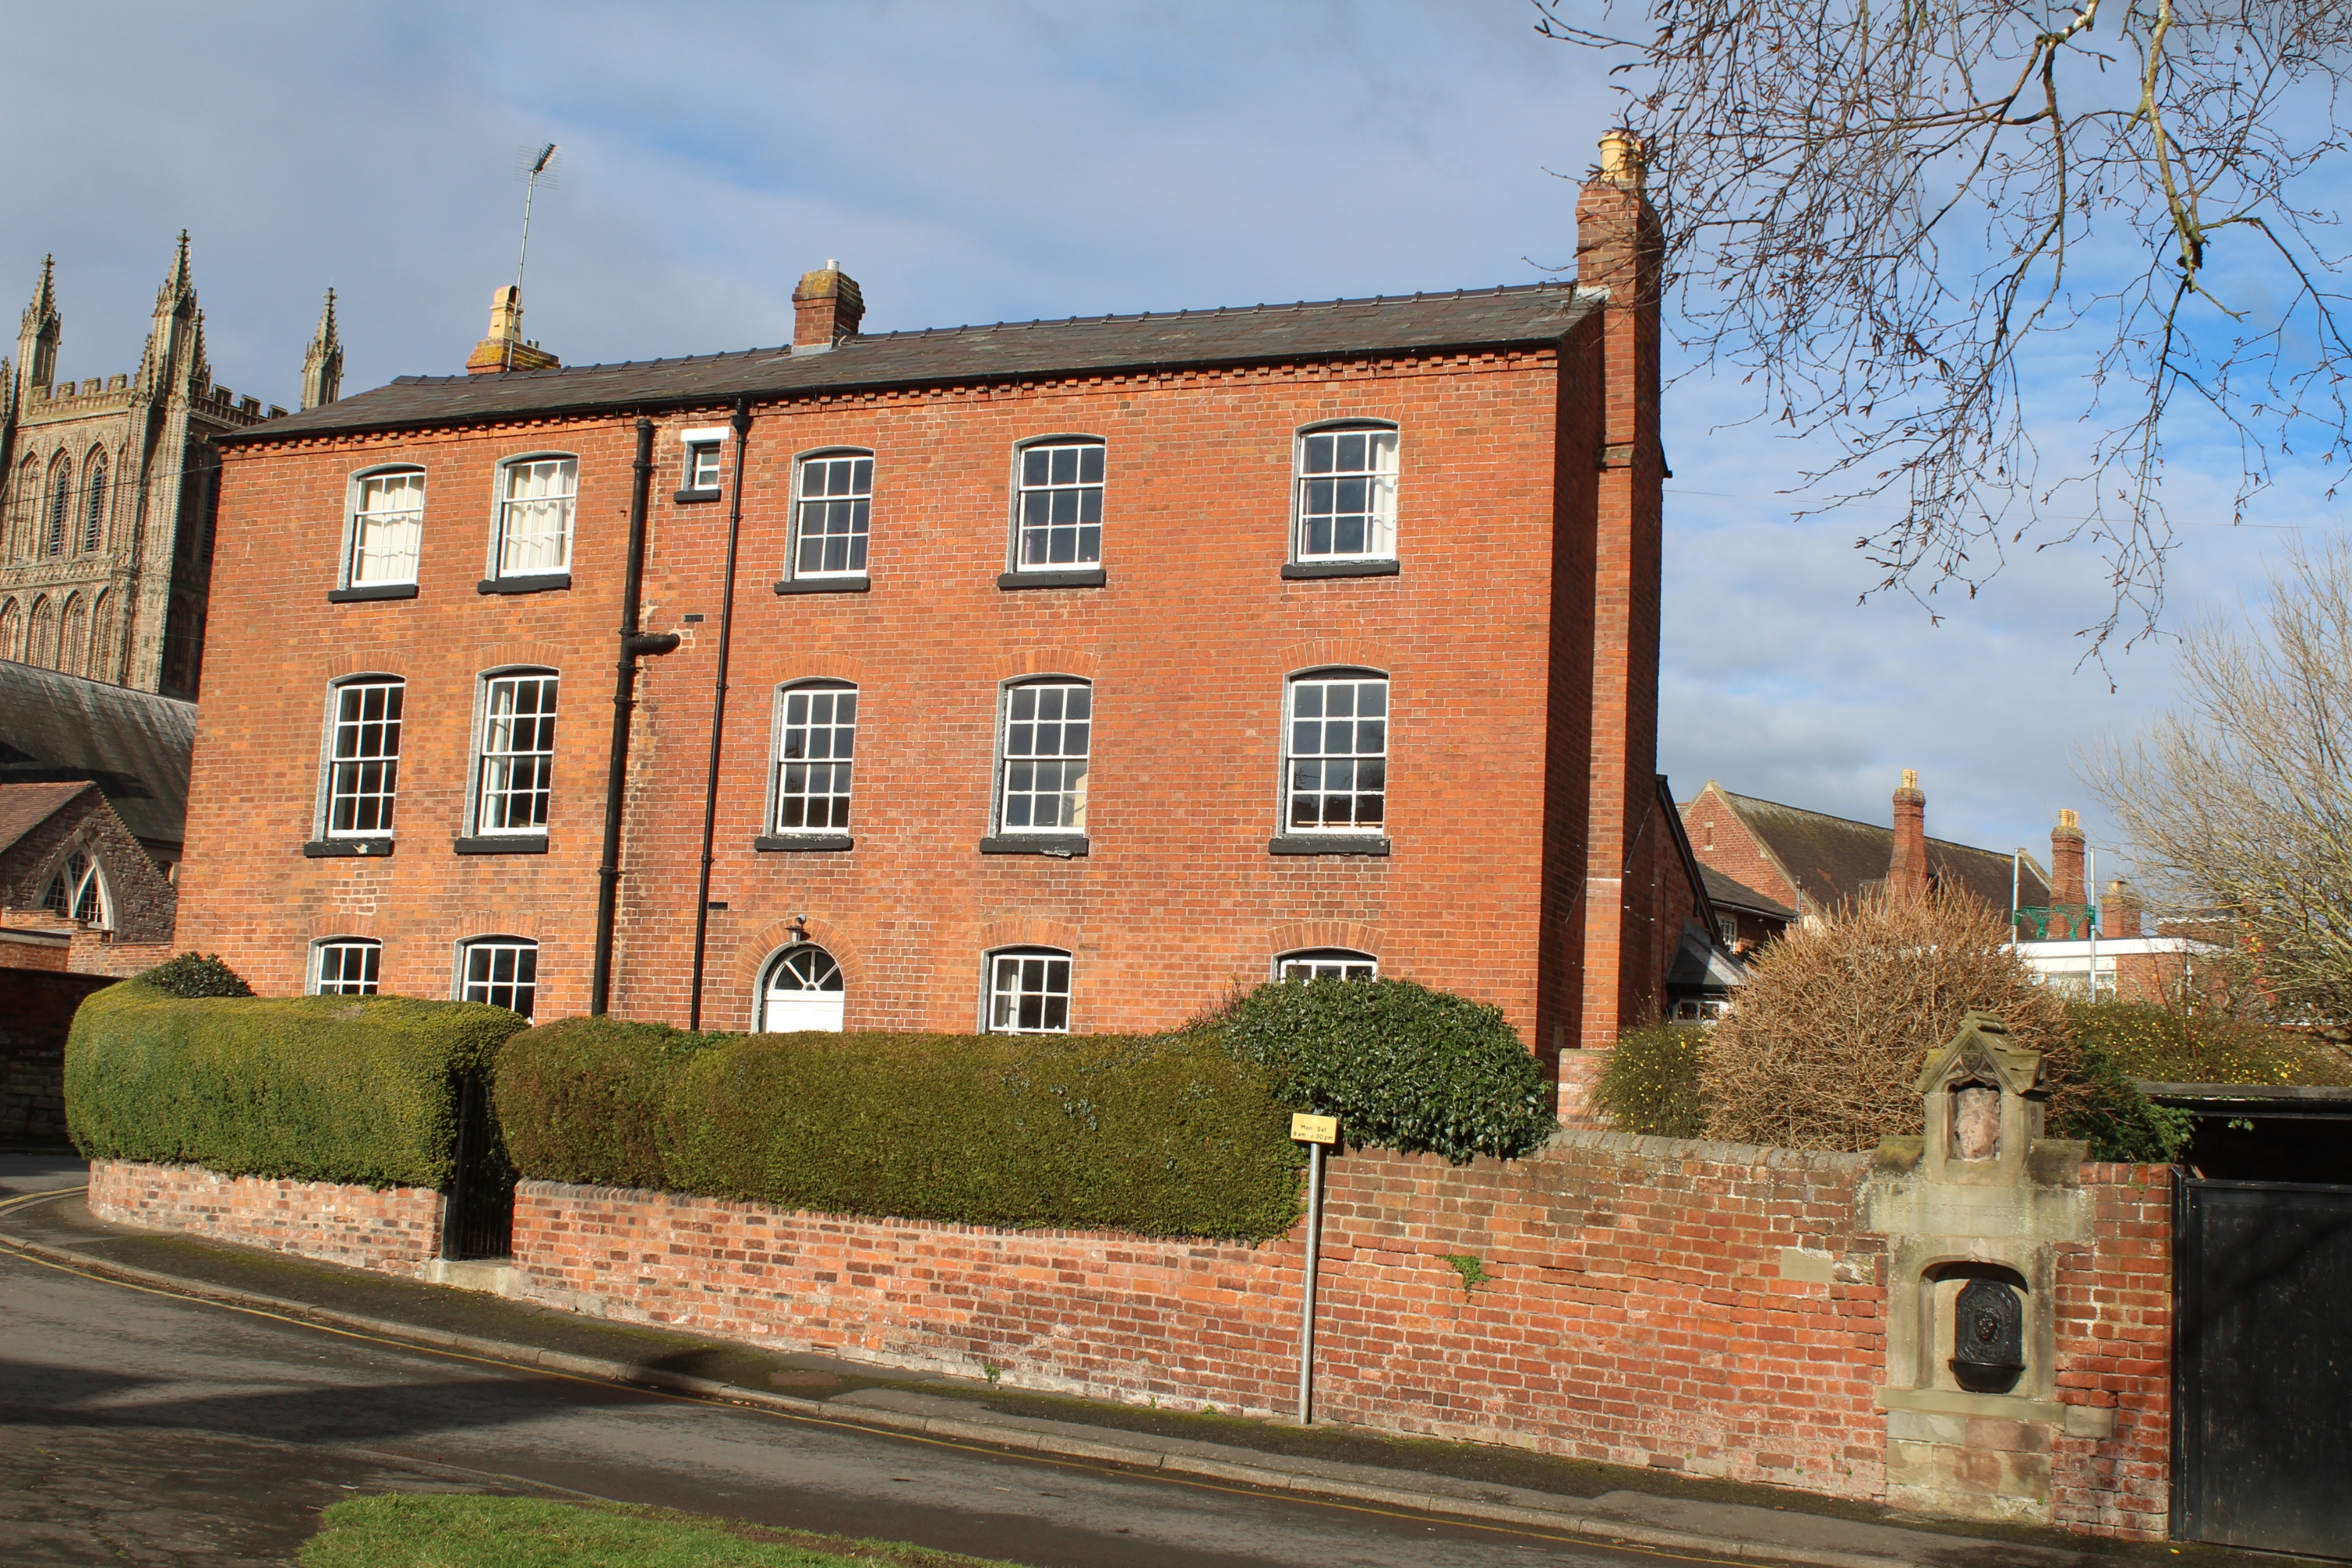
{"type": "Point", "coordinates": [478, 1213]}
{"type": "Point", "coordinates": [2262, 1365]}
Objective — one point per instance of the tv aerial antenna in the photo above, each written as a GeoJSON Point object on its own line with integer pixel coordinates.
{"type": "Point", "coordinates": [536, 168]}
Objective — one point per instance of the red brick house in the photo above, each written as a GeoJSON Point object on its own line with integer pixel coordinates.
{"type": "Point", "coordinates": [1064, 674]}
{"type": "Point", "coordinates": [1769, 865]}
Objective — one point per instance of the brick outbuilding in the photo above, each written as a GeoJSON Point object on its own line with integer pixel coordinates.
{"type": "Point", "coordinates": [1074, 673]}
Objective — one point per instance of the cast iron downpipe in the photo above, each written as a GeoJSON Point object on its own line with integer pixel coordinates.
{"type": "Point", "coordinates": [625, 702]}
{"type": "Point", "coordinates": [742, 427]}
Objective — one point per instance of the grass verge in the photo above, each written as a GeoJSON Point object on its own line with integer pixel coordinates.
{"type": "Point", "coordinates": [395, 1530]}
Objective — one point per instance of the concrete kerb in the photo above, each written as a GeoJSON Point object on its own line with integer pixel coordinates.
{"type": "Point", "coordinates": [1135, 1451]}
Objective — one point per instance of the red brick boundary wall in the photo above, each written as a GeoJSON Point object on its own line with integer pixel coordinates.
{"type": "Point", "coordinates": [394, 1231]}
{"type": "Point", "coordinates": [1708, 1308]}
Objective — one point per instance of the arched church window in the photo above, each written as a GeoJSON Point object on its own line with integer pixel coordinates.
{"type": "Point", "coordinates": [12, 631]}
{"type": "Point", "coordinates": [73, 647]}
{"type": "Point", "coordinates": [94, 528]}
{"type": "Point", "coordinates": [104, 641]}
{"type": "Point", "coordinates": [803, 991]}
{"type": "Point", "coordinates": [60, 502]}
{"type": "Point", "coordinates": [41, 646]}
{"type": "Point", "coordinates": [77, 892]}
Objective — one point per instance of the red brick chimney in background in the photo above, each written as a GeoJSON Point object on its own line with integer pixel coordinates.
{"type": "Point", "coordinates": [827, 308]}
{"type": "Point", "coordinates": [2066, 872]}
{"type": "Point", "coordinates": [2123, 910]}
{"type": "Point", "coordinates": [1618, 248]}
{"type": "Point", "coordinates": [1907, 868]}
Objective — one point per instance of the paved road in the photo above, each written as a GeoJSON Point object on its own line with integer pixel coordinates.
{"type": "Point", "coordinates": [145, 1428]}
{"type": "Point", "coordinates": [23, 1172]}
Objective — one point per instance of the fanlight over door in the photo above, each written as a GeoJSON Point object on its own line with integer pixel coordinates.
{"type": "Point", "coordinates": [803, 992]}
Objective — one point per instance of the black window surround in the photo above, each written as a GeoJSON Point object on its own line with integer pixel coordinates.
{"type": "Point", "coordinates": [1328, 844]}
{"type": "Point", "coordinates": [530, 582]}
{"type": "Point", "coordinates": [1061, 577]}
{"type": "Point", "coordinates": [374, 846]}
{"type": "Point", "coordinates": [1060, 845]}
{"type": "Point", "coordinates": [825, 586]}
{"type": "Point", "coordinates": [1301, 569]}
{"type": "Point", "coordinates": [366, 591]}
{"type": "Point", "coordinates": [503, 843]}
{"type": "Point", "coordinates": [802, 843]}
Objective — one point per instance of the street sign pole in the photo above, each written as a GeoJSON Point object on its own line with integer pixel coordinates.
{"type": "Point", "coordinates": [1316, 1132]}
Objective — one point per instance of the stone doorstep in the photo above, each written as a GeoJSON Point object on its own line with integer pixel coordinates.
{"type": "Point", "coordinates": [487, 1275]}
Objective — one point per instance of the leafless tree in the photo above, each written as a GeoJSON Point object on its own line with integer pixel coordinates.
{"type": "Point", "coordinates": [1944, 235]}
{"type": "Point", "coordinates": [2238, 801]}
{"type": "Point", "coordinates": [1823, 1047]}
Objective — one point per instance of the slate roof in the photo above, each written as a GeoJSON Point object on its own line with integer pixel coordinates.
{"type": "Point", "coordinates": [1523, 314]}
{"type": "Point", "coordinates": [25, 807]}
{"type": "Point", "coordinates": [1833, 858]}
{"type": "Point", "coordinates": [134, 745]}
{"type": "Point", "coordinates": [1734, 894]}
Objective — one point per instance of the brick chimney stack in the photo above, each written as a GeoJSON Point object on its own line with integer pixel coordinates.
{"type": "Point", "coordinates": [2065, 871]}
{"type": "Point", "coordinates": [827, 308]}
{"type": "Point", "coordinates": [1906, 869]}
{"type": "Point", "coordinates": [504, 349]}
{"type": "Point", "coordinates": [1619, 250]}
{"type": "Point", "coordinates": [2123, 909]}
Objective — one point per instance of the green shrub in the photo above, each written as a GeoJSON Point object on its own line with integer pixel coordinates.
{"type": "Point", "coordinates": [196, 974]}
{"type": "Point", "coordinates": [581, 1099]}
{"type": "Point", "coordinates": [1402, 1066]}
{"type": "Point", "coordinates": [1650, 1084]}
{"type": "Point", "coordinates": [2162, 1045]}
{"type": "Point", "coordinates": [1164, 1136]}
{"type": "Point", "coordinates": [329, 1088]}
{"type": "Point", "coordinates": [2094, 1100]}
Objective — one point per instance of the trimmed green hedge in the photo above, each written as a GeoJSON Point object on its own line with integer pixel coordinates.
{"type": "Point", "coordinates": [326, 1089]}
{"type": "Point", "coordinates": [583, 1099]}
{"type": "Point", "coordinates": [1163, 1135]}
{"type": "Point", "coordinates": [1400, 1066]}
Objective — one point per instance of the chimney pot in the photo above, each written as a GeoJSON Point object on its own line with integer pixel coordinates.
{"type": "Point", "coordinates": [504, 349]}
{"type": "Point", "coordinates": [827, 308]}
{"type": "Point", "coordinates": [1621, 159]}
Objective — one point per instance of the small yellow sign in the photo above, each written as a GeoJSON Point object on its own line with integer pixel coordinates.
{"type": "Point", "coordinates": [1313, 1128]}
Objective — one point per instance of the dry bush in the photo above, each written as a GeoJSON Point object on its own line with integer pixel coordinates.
{"type": "Point", "coordinates": [1824, 1048]}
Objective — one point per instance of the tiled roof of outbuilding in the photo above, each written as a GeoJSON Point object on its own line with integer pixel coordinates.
{"type": "Point", "coordinates": [1833, 858]}
{"type": "Point", "coordinates": [133, 745]}
{"type": "Point", "coordinates": [1730, 893]}
{"type": "Point", "coordinates": [25, 807]}
{"type": "Point", "coordinates": [1467, 318]}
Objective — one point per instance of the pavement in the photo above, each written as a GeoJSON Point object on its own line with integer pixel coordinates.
{"type": "Point", "coordinates": [117, 1340]}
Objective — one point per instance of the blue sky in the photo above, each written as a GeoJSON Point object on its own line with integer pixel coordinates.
{"type": "Point", "coordinates": [986, 161]}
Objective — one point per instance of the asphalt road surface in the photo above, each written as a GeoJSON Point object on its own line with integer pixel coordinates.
{"type": "Point", "coordinates": [146, 1428]}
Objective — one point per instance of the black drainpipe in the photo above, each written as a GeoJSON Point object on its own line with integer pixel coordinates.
{"type": "Point", "coordinates": [624, 701]}
{"type": "Point", "coordinates": [743, 425]}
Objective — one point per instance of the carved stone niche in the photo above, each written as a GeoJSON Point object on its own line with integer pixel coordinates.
{"type": "Point", "coordinates": [1975, 1211]}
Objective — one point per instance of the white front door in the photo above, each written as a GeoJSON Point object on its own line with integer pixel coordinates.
{"type": "Point", "coordinates": [804, 992]}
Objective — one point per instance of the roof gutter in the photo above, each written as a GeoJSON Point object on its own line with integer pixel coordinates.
{"type": "Point", "coordinates": [773, 393]}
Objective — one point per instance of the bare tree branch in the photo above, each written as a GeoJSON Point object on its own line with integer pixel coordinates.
{"type": "Point", "coordinates": [1896, 219]}
{"type": "Point", "coordinates": [2239, 802]}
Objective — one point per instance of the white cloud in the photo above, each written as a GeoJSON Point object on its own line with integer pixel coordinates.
{"type": "Point", "coordinates": [972, 163]}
